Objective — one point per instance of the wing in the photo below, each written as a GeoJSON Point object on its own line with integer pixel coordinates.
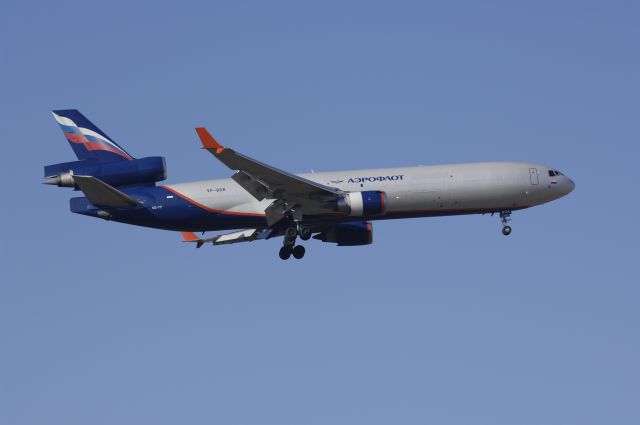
{"type": "Point", "coordinates": [292, 194]}
{"type": "Point", "coordinates": [247, 235]}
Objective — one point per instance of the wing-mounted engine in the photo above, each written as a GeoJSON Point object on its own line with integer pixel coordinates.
{"type": "Point", "coordinates": [363, 204]}
{"type": "Point", "coordinates": [117, 173]}
{"type": "Point", "coordinates": [351, 233]}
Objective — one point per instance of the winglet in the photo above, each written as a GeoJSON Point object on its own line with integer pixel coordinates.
{"type": "Point", "coordinates": [191, 237]}
{"type": "Point", "coordinates": [208, 142]}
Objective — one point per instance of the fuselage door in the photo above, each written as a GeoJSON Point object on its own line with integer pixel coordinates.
{"type": "Point", "coordinates": [533, 175]}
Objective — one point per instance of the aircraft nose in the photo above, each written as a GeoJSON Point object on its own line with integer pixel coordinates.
{"type": "Point", "coordinates": [570, 185]}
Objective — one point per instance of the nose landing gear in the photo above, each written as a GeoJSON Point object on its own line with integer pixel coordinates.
{"type": "Point", "coordinates": [505, 217]}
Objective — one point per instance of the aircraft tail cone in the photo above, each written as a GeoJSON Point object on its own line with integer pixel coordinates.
{"type": "Point", "coordinates": [54, 180]}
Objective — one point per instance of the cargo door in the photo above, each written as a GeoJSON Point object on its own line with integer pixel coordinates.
{"type": "Point", "coordinates": [533, 176]}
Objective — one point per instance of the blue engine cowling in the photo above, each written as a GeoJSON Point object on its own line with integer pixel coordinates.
{"type": "Point", "coordinates": [117, 173]}
{"type": "Point", "coordinates": [350, 233]}
{"type": "Point", "coordinates": [363, 204]}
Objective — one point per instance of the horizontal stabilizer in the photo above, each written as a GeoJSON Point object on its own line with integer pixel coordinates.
{"type": "Point", "coordinates": [191, 237]}
{"type": "Point", "coordinates": [101, 194]}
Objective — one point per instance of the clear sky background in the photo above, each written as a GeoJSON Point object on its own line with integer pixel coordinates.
{"type": "Point", "coordinates": [440, 321]}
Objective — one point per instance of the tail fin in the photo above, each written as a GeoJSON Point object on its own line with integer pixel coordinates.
{"type": "Point", "coordinates": [87, 140]}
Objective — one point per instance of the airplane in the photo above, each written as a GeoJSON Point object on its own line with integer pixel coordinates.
{"type": "Point", "coordinates": [261, 202]}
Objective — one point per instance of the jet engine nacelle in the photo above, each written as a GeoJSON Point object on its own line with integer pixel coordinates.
{"type": "Point", "coordinates": [118, 173]}
{"type": "Point", "coordinates": [363, 204]}
{"type": "Point", "coordinates": [351, 233]}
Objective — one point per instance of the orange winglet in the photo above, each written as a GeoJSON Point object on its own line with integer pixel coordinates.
{"type": "Point", "coordinates": [189, 237]}
{"type": "Point", "coordinates": [208, 142]}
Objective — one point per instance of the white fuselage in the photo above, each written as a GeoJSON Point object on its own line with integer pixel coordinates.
{"type": "Point", "coordinates": [410, 191]}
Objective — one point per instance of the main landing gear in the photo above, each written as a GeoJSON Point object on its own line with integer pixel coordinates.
{"type": "Point", "coordinates": [287, 251]}
{"type": "Point", "coordinates": [505, 217]}
{"type": "Point", "coordinates": [290, 248]}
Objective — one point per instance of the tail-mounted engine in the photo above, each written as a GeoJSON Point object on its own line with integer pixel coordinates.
{"type": "Point", "coordinates": [363, 204]}
{"type": "Point", "coordinates": [117, 173]}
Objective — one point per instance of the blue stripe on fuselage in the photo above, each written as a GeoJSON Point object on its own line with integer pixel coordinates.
{"type": "Point", "coordinates": [174, 213]}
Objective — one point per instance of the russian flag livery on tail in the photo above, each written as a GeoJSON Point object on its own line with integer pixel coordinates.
{"type": "Point", "coordinates": [87, 140]}
{"type": "Point", "coordinates": [260, 201]}
{"type": "Point", "coordinates": [99, 157]}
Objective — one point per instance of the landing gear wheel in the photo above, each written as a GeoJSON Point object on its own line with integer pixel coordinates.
{"type": "Point", "coordinates": [290, 233]}
{"type": "Point", "coordinates": [298, 252]}
{"type": "Point", "coordinates": [505, 217]}
{"type": "Point", "coordinates": [305, 233]}
{"type": "Point", "coordinates": [285, 252]}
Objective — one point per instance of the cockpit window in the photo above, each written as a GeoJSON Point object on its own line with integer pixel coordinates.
{"type": "Point", "coordinates": [553, 173]}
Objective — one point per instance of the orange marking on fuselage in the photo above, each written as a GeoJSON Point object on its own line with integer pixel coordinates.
{"type": "Point", "coordinates": [213, 210]}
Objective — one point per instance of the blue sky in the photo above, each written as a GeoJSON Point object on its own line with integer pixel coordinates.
{"type": "Point", "coordinates": [441, 320]}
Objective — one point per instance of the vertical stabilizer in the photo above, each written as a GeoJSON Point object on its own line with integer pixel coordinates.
{"type": "Point", "coordinates": [87, 140]}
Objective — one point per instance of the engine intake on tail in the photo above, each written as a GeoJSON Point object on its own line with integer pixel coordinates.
{"type": "Point", "coordinates": [117, 173]}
